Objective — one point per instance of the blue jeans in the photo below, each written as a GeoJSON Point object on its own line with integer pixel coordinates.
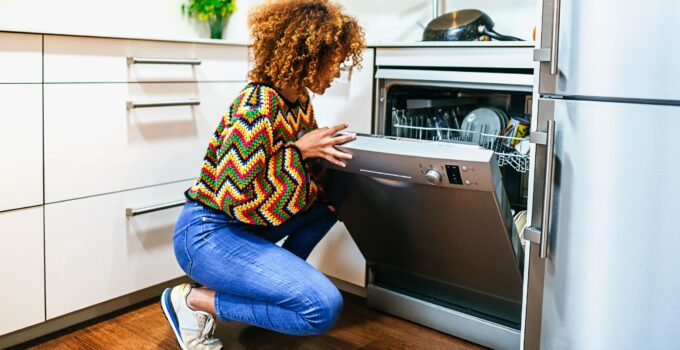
{"type": "Point", "coordinates": [256, 281]}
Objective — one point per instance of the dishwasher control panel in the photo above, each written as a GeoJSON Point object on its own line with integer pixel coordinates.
{"type": "Point", "coordinates": [453, 173]}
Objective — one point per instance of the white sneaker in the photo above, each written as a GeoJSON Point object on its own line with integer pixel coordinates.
{"type": "Point", "coordinates": [194, 329]}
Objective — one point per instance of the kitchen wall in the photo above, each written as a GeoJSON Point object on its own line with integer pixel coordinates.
{"type": "Point", "coordinates": [383, 20]}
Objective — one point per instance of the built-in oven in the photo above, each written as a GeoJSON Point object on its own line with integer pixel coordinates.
{"type": "Point", "coordinates": [435, 198]}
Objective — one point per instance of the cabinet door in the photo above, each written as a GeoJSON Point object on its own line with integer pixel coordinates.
{"type": "Point", "coordinates": [611, 278]}
{"type": "Point", "coordinates": [78, 59]}
{"type": "Point", "coordinates": [94, 144]}
{"type": "Point", "coordinates": [20, 58]}
{"type": "Point", "coordinates": [348, 100]}
{"type": "Point", "coordinates": [21, 131]}
{"type": "Point", "coordinates": [22, 298]}
{"type": "Point", "coordinates": [95, 253]}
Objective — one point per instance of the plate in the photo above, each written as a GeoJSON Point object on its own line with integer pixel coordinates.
{"type": "Point", "coordinates": [520, 221]}
{"type": "Point", "coordinates": [482, 120]}
{"type": "Point", "coordinates": [502, 116]}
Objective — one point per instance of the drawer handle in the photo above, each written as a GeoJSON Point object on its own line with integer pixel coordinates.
{"type": "Point", "coordinates": [142, 104]}
{"type": "Point", "coordinates": [139, 60]}
{"type": "Point", "coordinates": [129, 212]}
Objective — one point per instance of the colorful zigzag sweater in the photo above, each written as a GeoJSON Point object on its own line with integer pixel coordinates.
{"type": "Point", "coordinates": [251, 170]}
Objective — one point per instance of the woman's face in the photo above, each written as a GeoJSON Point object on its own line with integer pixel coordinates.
{"type": "Point", "coordinates": [330, 71]}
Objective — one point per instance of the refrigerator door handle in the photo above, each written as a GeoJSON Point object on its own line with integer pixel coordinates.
{"type": "Point", "coordinates": [534, 234]}
{"type": "Point", "coordinates": [555, 37]}
{"type": "Point", "coordinates": [550, 54]}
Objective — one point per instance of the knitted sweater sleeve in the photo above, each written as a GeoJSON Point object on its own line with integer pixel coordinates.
{"type": "Point", "coordinates": [263, 183]}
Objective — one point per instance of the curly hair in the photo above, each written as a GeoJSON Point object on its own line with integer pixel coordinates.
{"type": "Point", "coordinates": [296, 41]}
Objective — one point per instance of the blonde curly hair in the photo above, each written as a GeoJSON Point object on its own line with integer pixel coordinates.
{"type": "Point", "coordinates": [296, 42]}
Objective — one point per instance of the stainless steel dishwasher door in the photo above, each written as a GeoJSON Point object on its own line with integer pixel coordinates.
{"type": "Point", "coordinates": [432, 221]}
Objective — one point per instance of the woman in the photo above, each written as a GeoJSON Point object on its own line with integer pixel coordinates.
{"type": "Point", "coordinates": [255, 186]}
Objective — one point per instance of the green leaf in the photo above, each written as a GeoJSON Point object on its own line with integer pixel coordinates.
{"type": "Point", "coordinates": [205, 9]}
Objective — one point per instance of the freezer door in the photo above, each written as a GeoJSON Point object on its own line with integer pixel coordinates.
{"type": "Point", "coordinates": [611, 279]}
{"type": "Point", "coordinates": [612, 49]}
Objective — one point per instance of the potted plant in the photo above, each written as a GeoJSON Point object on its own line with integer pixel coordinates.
{"type": "Point", "coordinates": [216, 12]}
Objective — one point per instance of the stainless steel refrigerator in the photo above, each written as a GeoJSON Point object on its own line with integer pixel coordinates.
{"type": "Point", "coordinates": [608, 118]}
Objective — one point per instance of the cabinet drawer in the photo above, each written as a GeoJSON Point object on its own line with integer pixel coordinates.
{"type": "Point", "coordinates": [94, 144]}
{"type": "Point", "coordinates": [21, 173]}
{"type": "Point", "coordinates": [349, 99]}
{"type": "Point", "coordinates": [21, 271]}
{"type": "Point", "coordinates": [94, 253]}
{"type": "Point", "coordinates": [20, 58]}
{"type": "Point", "coordinates": [78, 59]}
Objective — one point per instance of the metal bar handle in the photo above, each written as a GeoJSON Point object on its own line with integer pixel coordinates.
{"type": "Point", "coordinates": [142, 104]}
{"type": "Point", "coordinates": [533, 232]}
{"type": "Point", "coordinates": [548, 189]}
{"type": "Point", "coordinates": [555, 37]}
{"type": "Point", "coordinates": [140, 60]}
{"type": "Point", "coordinates": [130, 212]}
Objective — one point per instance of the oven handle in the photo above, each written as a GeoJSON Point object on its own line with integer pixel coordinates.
{"type": "Point", "coordinates": [534, 234]}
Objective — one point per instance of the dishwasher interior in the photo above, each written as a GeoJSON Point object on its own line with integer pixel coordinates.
{"type": "Point", "coordinates": [436, 200]}
{"type": "Point", "coordinates": [438, 113]}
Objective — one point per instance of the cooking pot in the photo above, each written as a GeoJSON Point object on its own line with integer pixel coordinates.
{"type": "Point", "coordinates": [463, 25]}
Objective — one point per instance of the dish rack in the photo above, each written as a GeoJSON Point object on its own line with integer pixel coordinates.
{"type": "Point", "coordinates": [504, 147]}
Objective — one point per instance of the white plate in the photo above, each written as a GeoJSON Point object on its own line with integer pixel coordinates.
{"type": "Point", "coordinates": [502, 116]}
{"type": "Point", "coordinates": [520, 221]}
{"type": "Point", "coordinates": [482, 120]}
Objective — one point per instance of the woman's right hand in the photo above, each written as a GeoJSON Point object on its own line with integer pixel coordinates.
{"type": "Point", "coordinates": [319, 144]}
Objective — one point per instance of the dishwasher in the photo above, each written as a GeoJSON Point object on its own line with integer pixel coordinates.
{"type": "Point", "coordinates": [432, 199]}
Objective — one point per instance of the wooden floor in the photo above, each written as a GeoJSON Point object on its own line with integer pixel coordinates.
{"type": "Point", "coordinates": [144, 327]}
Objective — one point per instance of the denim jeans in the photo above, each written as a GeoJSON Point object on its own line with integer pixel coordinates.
{"type": "Point", "coordinates": [256, 281]}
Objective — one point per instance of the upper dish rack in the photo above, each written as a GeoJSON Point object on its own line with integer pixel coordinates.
{"type": "Point", "coordinates": [512, 151]}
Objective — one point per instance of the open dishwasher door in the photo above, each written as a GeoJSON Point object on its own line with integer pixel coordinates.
{"type": "Point", "coordinates": [435, 227]}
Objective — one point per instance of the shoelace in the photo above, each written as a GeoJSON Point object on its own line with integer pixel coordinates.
{"type": "Point", "coordinates": [206, 323]}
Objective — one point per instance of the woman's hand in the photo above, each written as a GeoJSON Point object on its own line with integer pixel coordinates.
{"type": "Point", "coordinates": [319, 144]}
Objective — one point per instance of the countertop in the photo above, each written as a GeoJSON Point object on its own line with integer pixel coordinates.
{"type": "Point", "coordinates": [395, 44]}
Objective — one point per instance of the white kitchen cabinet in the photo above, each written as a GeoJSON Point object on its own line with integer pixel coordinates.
{"type": "Point", "coordinates": [338, 256]}
{"type": "Point", "coordinates": [94, 253]}
{"type": "Point", "coordinates": [21, 174]}
{"type": "Point", "coordinates": [20, 58]}
{"type": "Point", "coordinates": [94, 144]}
{"type": "Point", "coordinates": [348, 100]}
{"type": "Point", "coordinates": [78, 59]}
{"type": "Point", "coordinates": [22, 299]}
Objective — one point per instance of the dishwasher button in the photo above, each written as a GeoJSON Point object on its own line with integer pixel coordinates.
{"type": "Point", "coordinates": [467, 182]}
{"type": "Point", "coordinates": [463, 168]}
{"type": "Point", "coordinates": [433, 177]}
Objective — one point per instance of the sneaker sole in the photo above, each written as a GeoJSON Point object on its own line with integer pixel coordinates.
{"type": "Point", "coordinates": [170, 315]}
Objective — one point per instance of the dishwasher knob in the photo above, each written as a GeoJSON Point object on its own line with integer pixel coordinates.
{"type": "Point", "coordinates": [433, 177]}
